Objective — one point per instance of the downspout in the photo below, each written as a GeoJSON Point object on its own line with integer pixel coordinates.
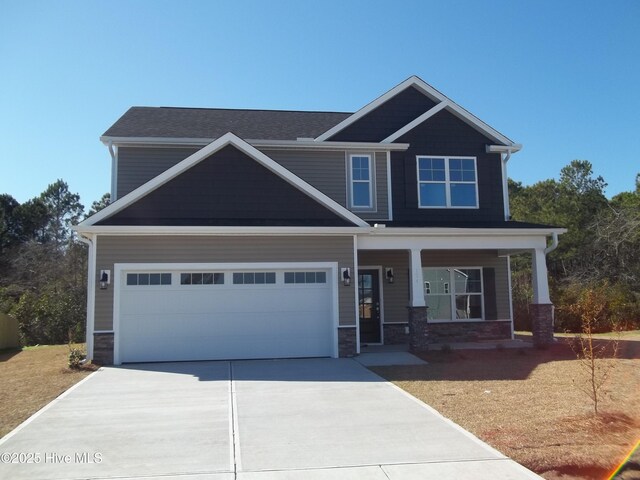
{"type": "Point", "coordinates": [505, 186]}
{"type": "Point", "coordinates": [554, 244]}
{"type": "Point", "coordinates": [114, 170]}
{"type": "Point", "coordinates": [91, 292]}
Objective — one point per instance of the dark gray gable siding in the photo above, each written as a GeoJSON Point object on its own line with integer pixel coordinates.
{"type": "Point", "coordinates": [445, 134]}
{"type": "Point", "coordinates": [388, 118]}
{"type": "Point", "coordinates": [228, 188]}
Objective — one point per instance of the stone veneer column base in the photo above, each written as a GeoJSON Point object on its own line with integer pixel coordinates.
{"type": "Point", "coordinates": [542, 324]}
{"type": "Point", "coordinates": [103, 348]}
{"type": "Point", "coordinates": [418, 329]}
{"type": "Point", "coordinates": [347, 342]}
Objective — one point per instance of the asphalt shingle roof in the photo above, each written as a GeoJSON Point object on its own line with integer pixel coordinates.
{"type": "Point", "coordinates": [215, 122]}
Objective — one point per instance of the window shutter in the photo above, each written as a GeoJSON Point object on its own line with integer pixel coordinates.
{"type": "Point", "coordinates": [489, 283]}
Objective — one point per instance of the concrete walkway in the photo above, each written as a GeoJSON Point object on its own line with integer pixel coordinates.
{"type": "Point", "coordinates": [316, 419]}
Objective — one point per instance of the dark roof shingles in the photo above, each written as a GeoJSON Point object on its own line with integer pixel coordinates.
{"type": "Point", "coordinates": [213, 123]}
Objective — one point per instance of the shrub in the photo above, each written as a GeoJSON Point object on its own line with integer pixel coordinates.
{"type": "Point", "coordinates": [76, 357]}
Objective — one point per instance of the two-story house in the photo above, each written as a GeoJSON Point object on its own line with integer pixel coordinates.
{"type": "Point", "coordinates": [237, 234]}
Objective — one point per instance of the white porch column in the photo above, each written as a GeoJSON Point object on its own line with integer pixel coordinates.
{"type": "Point", "coordinates": [539, 277]}
{"type": "Point", "coordinates": [417, 281]}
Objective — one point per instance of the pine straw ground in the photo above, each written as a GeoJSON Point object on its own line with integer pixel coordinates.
{"type": "Point", "coordinates": [526, 404]}
{"type": "Point", "coordinates": [31, 378]}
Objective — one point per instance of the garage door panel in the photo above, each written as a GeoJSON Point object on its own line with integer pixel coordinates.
{"type": "Point", "coordinates": [208, 322]}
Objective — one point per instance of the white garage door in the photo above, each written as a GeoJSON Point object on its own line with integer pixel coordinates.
{"type": "Point", "coordinates": [214, 314]}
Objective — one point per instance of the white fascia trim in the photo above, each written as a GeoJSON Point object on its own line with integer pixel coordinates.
{"type": "Point", "coordinates": [414, 123]}
{"type": "Point", "coordinates": [431, 92]}
{"type": "Point", "coordinates": [259, 143]}
{"type": "Point", "coordinates": [466, 232]}
{"type": "Point", "coordinates": [227, 139]}
{"type": "Point", "coordinates": [125, 230]}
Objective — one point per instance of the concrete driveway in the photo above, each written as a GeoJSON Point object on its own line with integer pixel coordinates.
{"type": "Point", "coordinates": [315, 419]}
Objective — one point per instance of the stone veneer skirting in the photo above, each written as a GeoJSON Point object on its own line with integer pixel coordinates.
{"type": "Point", "coordinates": [394, 333]}
{"type": "Point", "coordinates": [457, 332]}
{"type": "Point", "coordinates": [103, 348]}
{"type": "Point", "coordinates": [347, 343]}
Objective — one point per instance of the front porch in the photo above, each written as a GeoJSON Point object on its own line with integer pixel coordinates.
{"type": "Point", "coordinates": [431, 293]}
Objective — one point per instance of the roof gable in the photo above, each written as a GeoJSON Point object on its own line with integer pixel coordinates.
{"type": "Point", "coordinates": [295, 191]}
{"type": "Point", "coordinates": [428, 91]}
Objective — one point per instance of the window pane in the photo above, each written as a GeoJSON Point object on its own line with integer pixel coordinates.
{"type": "Point", "coordinates": [289, 277]}
{"type": "Point", "coordinates": [154, 279]}
{"type": "Point", "coordinates": [468, 280]}
{"type": "Point", "coordinates": [237, 278]}
{"type": "Point", "coordinates": [271, 277]}
{"type": "Point", "coordinates": [299, 277]}
{"type": "Point", "coordinates": [321, 277]}
{"type": "Point", "coordinates": [438, 279]}
{"type": "Point", "coordinates": [196, 279]}
{"type": "Point", "coordinates": [259, 277]}
{"type": "Point", "coordinates": [143, 279]}
{"type": "Point", "coordinates": [207, 278]}
{"type": "Point", "coordinates": [463, 195]}
{"type": "Point", "coordinates": [310, 277]}
{"type": "Point", "coordinates": [132, 279]}
{"type": "Point", "coordinates": [432, 195]}
{"type": "Point", "coordinates": [431, 169]}
{"type": "Point", "coordinates": [185, 279]}
{"type": "Point", "coordinates": [165, 279]}
{"type": "Point", "coordinates": [249, 278]}
{"type": "Point", "coordinates": [439, 307]}
{"type": "Point", "coordinates": [361, 194]}
{"type": "Point", "coordinates": [468, 306]}
{"type": "Point", "coordinates": [218, 278]}
{"type": "Point", "coordinates": [360, 168]}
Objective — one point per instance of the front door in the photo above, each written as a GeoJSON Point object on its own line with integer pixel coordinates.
{"type": "Point", "coordinates": [369, 306]}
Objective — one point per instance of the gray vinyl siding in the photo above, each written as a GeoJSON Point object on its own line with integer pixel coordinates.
{"type": "Point", "coordinates": [477, 258]}
{"type": "Point", "coordinates": [396, 295]}
{"type": "Point", "coordinates": [138, 165]}
{"type": "Point", "coordinates": [324, 170]}
{"type": "Point", "coordinates": [381, 191]}
{"type": "Point", "coordinates": [219, 249]}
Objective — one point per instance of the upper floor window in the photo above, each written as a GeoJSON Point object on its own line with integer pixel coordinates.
{"type": "Point", "coordinates": [361, 181]}
{"type": "Point", "coordinates": [447, 182]}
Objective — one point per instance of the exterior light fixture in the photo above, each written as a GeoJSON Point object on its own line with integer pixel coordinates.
{"type": "Point", "coordinates": [346, 276]}
{"type": "Point", "coordinates": [105, 279]}
{"type": "Point", "coordinates": [388, 273]}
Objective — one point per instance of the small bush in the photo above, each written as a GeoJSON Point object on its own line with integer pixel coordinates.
{"type": "Point", "coordinates": [446, 348]}
{"type": "Point", "coordinates": [76, 357]}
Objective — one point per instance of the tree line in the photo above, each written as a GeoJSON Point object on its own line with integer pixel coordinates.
{"type": "Point", "coordinates": [43, 266]}
{"type": "Point", "coordinates": [600, 252]}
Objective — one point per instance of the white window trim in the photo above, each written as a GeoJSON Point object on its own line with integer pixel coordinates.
{"type": "Point", "coordinates": [452, 293]}
{"type": "Point", "coordinates": [372, 203]}
{"type": "Point", "coordinates": [447, 181]}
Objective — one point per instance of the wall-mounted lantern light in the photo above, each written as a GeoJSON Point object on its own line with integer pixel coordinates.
{"type": "Point", "coordinates": [105, 279]}
{"type": "Point", "coordinates": [388, 273]}
{"type": "Point", "coordinates": [346, 276]}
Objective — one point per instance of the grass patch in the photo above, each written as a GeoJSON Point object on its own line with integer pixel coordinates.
{"type": "Point", "coordinates": [31, 378]}
{"type": "Point", "coordinates": [524, 404]}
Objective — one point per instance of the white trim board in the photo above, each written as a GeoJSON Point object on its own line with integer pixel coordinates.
{"type": "Point", "coordinates": [227, 139]}
{"type": "Point", "coordinates": [429, 91]}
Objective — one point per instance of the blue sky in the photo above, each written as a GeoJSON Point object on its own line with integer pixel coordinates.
{"type": "Point", "coordinates": [560, 77]}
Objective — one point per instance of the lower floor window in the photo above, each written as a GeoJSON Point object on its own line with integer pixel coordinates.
{"type": "Point", "coordinates": [252, 278]}
{"type": "Point", "coordinates": [453, 293]}
{"type": "Point", "coordinates": [148, 279]}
